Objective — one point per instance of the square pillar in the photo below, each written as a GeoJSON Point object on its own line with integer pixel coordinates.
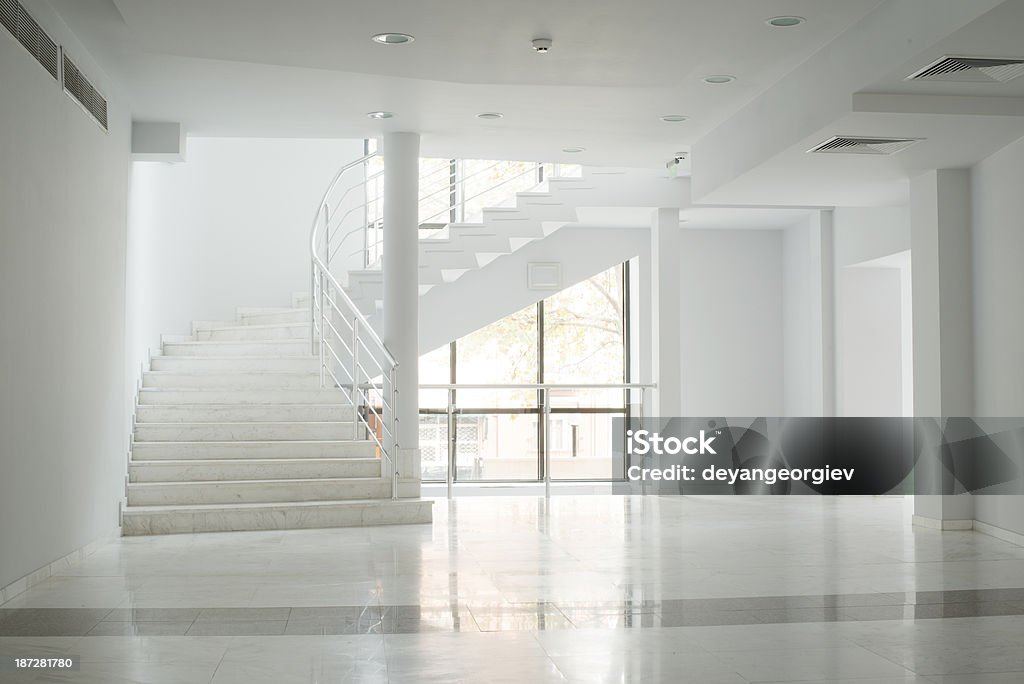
{"type": "Point", "coordinates": [940, 233]}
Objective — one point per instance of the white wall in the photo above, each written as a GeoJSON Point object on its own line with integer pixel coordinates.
{"type": "Point", "coordinates": [227, 228]}
{"type": "Point", "coordinates": [870, 323]}
{"type": "Point", "coordinates": [732, 323]}
{"type": "Point", "coordinates": [865, 235]}
{"type": "Point", "coordinates": [998, 300]}
{"type": "Point", "coordinates": [64, 417]}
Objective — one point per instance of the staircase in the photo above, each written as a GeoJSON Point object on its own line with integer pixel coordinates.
{"type": "Point", "coordinates": [448, 253]}
{"type": "Point", "coordinates": [233, 432]}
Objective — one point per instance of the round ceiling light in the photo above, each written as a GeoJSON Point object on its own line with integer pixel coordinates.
{"type": "Point", "coordinates": [673, 118]}
{"type": "Point", "coordinates": [392, 38]}
{"type": "Point", "coordinates": [490, 115]}
{"type": "Point", "coordinates": [719, 79]}
{"type": "Point", "coordinates": [380, 115]}
{"type": "Point", "coordinates": [785, 22]}
{"type": "Point", "coordinates": [574, 150]}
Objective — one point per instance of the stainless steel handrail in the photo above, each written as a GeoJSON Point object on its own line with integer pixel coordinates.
{"type": "Point", "coordinates": [331, 304]}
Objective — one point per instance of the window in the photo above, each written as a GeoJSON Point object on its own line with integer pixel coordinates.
{"type": "Point", "coordinates": [575, 337]}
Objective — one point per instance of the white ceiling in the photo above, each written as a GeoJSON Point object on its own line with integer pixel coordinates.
{"type": "Point", "coordinates": [758, 159]}
{"type": "Point", "coordinates": [308, 68]}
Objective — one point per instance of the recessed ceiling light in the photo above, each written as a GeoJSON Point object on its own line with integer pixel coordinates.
{"type": "Point", "coordinates": [380, 115]}
{"type": "Point", "coordinates": [673, 118]}
{"type": "Point", "coordinates": [785, 22]}
{"type": "Point", "coordinates": [719, 79]}
{"type": "Point", "coordinates": [489, 115]}
{"type": "Point", "coordinates": [392, 38]}
{"type": "Point", "coordinates": [574, 150]}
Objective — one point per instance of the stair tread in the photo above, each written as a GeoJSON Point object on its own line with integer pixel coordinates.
{"type": "Point", "coordinates": [262, 326]}
{"type": "Point", "coordinates": [277, 442]}
{"type": "Point", "coordinates": [214, 407]}
{"type": "Point", "coordinates": [246, 423]}
{"type": "Point", "coordinates": [275, 480]}
{"type": "Point", "coordinates": [250, 461]}
{"type": "Point", "coordinates": [276, 504]}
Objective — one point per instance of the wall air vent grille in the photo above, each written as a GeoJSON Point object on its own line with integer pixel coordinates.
{"type": "Point", "coordinates": [842, 144]}
{"type": "Point", "coordinates": [971, 70]}
{"type": "Point", "coordinates": [30, 34]}
{"type": "Point", "coordinates": [79, 87]}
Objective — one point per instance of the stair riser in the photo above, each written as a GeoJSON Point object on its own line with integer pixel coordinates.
{"type": "Point", "coordinates": [201, 493]}
{"type": "Point", "coordinates": [251, 397]}
{"type": "Point", "coordinates": [278, 518]}
{"type": "Point", "coordinates": [204, 472]}
{"type": "Point", "coordinates": [241, 414]}
{"type": "Point", "coordinates": [254, 333]}
{"type": "Point", "coordinates": [242, 432]}
{"type": "Point", "coordinates": [299, 316]}
{"type": "Point", "coordinates": [284, 348]}
{"type": "Point", "coordinates": [172, 379]}
{"type": "Point", "coordinates": [190, 364]}
{"type": "Point", "coordinates": [177, 451]}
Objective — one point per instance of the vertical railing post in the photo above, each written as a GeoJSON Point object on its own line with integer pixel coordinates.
{"type": "Point", "coordinates": [322, 289]}
{"type": "Point", "coordinates": [354, 375]}
{"type": "Point", "coordinates": [452, 430]}
{"type": "Point", "coordinates": [393, 374]}
{"type": "Point", "coordinates": [546, 417]}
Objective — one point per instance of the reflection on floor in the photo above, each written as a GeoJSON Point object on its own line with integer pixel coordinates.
{"type": "Point", "coordinates": [519, 589]}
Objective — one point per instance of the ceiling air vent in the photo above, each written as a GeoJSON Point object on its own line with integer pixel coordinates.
{"type": "Point", "coordinates": [970, 70]}
{"type": "Point", "coordinates": [30, 34]}
{"type": "Point", "coordinates": [79, 87]}
{"type": "Point", "coordinates": [842, 144]}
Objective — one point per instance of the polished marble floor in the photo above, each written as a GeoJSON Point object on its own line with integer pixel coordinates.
{"type": "Point", "coordinates": [523, 589]}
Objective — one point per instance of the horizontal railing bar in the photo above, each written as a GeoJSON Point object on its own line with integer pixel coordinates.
{"type": "Point", "coordinates": [531, 386]}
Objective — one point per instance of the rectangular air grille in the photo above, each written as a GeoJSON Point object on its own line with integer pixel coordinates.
{"type": "Point", "coordinates": [79, 87]}
{"type": "Point", "coordinates": [971, 70]}
{"type": "Point", "coordinates": [842, 144]}
{"type": "Point", "coordinates": [30, 34]}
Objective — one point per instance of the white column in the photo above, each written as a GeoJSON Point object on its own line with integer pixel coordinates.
{"type": "Point", "coordinates": [940, 234]}
{"type": "Point", "coordinates": [401, 294]}
{"type": "Point", "coordinates": [823, 312]}
{"type": "Point", "coordinates": [666, 328]}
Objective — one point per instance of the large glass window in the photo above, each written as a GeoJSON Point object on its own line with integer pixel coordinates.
{"type": "Point", "coordinates": [574, 337]}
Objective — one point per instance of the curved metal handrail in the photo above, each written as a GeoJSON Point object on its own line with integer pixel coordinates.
{"type": "Point", "coordinates": [373, 403]}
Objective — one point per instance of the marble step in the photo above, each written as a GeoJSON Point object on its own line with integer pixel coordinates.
{"type": "Point", "coordinates": [243, 432]}
{"type": "Point", "coordinates": [238, 348]}
{"type": "Point", "coordinates": [236, 380]}
{"type": "Point", "coordinates": [178, 451]}
{"type": "Point", "coordinates": [156, 396]}
{"type": "Point", "coordinates": [252, 469]}
{"type": "Point", "coordinates": [191, 364]}
{"type": "Point", "coordinates": [265, 318]}
{"type": "Point", "coordinates": [276, 516]}
{"type": "Point", "coordinates": [240, 413]}
{"type": "Point", "coordinates": [256, 491]}
{"type": "Point", "coordinates": [259, 333]}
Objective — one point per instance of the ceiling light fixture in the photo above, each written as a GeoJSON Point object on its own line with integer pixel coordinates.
{"type": "Point", "coordinates": [719, 79]}
{"type": "Point", "coordinates": [541, 45]}
{"type": "Point", "coordinates": [380, 115]}
{"type": "Point", "coordinates": [673, 118]}
{"type": "Point", "coordinates": [574, 150]}
{"type": "Point", "coordinates": [490, 115]}
{"type": "Point", "coordinates": [392, 38]}
{"type": "Point", "coordinates": [785, 22]}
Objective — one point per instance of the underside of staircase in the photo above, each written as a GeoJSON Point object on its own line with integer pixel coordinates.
{"type": "Point", "coordinates": [233, 432]}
